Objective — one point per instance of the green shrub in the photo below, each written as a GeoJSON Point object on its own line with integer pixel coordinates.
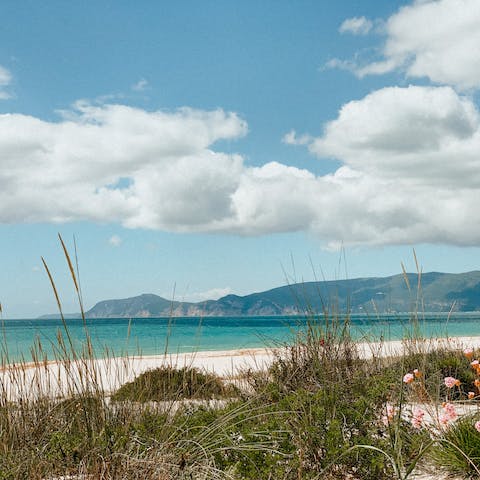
{"type": "Point", "coordinates": [437, 364]}
{"type": "Point", "coordinates": [458, 449]}
{"type": "Point", "coordinates": [167, 383]}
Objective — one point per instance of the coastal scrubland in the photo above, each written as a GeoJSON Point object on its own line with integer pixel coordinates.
{"type": "Point", "coordinates": [322, 409]}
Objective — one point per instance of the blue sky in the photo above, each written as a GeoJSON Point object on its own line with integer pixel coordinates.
{"type": "Point", "coordinates": [200, 146]}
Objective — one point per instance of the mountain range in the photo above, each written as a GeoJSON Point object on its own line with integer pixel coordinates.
{"type": "Point", "coordinates": [432, 292]}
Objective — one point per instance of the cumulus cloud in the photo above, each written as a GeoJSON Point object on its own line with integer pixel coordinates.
{"type": "Point", "coordinates": [428, 132]}
{"type": "Point", "coordinates": [411, 169]}
{"type": "Point", "coordinates": [436, 39]}
{"type": "Point", "coordinates": [5, 80]}
{"type": "Point", "coordinates": [410, 173]}
{"type": "Point", "coordinates": [356, 26]}
{"type": "Point", "coordinates": [77, 168]}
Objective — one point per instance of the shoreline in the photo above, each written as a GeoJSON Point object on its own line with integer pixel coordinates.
{"type": "Point", "coordinates": [206, 358]}
{"type": "Point", "coordinates": [59, 378]}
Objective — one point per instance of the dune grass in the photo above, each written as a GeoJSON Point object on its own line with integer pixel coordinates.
{"type": "Point", "coordinates": [317, 412]}
{"type": "Point", "coordinates": [322, 410]}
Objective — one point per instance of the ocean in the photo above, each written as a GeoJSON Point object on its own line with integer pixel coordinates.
{"type": "Point", "coordinates": [154, 336]}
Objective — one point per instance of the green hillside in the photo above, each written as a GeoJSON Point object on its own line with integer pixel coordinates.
{"type": "Point", "coordinates": [436, 292]}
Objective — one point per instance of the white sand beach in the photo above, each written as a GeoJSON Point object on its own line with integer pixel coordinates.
{"type": "Point", "coordinates": [58, 379]}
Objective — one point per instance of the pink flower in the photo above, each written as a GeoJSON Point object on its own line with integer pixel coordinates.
{"type": "Point", "coordinates": [449, 411]}
{"type": "Point", "coordinates": [408, 378]}
{"type": "Point", "coordinates": [475, 363]}
{"type": "Point", "coordinates": [449, 414]}
{"type": "Point", "coordinates": [443, 419]}
{"type": "Point", "coordinates": [450, 382]}
{"type": "Point", "coordinates": [468, 352]}
{"type": "Point", "coordinates": [417, 418]}
{"type": "Point", "coordinates": [477, 426]}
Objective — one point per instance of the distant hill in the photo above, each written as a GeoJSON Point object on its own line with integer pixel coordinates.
{"type": "Point", "coordinates": [438, 292]}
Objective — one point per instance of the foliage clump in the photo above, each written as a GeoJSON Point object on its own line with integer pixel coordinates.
{"type": "Point", "coordinates": [168, 383]}
{"type": "Point", "coordinates": [459, 449]}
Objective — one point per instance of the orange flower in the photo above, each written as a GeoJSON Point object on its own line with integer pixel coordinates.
{"type": "Point", "coordinates": [471, 395]}
{"type": "Point", "coordinates": [417, 373]}
{"type": "Point", "coordinates": [477, 383]}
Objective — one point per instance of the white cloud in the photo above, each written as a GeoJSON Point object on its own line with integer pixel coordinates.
{"type": "Point", "coordinates": [437, 39]}
{"type": "Point", "coordinates": [5, 80]}
{"type": "Point", "coordinates": [348, 65]}
{"type": "Point", "coordinates": [140, 86]}
{"type": "Point", "coordinates": [70, 170]}
{"type": "Point", "coordinates": [356, 26]}
{"type": "Point", "coordinates": [374, 68]}
{"type": "Point", "coordinates": [410, 173]}
{"type": "Point", "coordinates": [291, 138]}
{"type": "Point", "coordinates": [274, 198]}
{"type": "Point", "coordinates": [212, 294]}
{"type": "Point", "coordinates": [406, 132]}
{"type": "Point", "coordinates": [115, 241]}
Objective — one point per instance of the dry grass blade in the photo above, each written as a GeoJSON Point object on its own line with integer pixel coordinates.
{"type": "Point", "coordinates": [419, 298]}
{"type": "Point", "coordinates": [70, 265]}
{"type": "Point", "coordinates": [72, 273]}
{"type": "Point", "coordinates": [405, 276]}
{"type": "Point", "coordinates": [416, 261]}
{"type": "Point", "coordinates": [52, 283]}
{"type": "Point", "coordinates": [59, 304]}
{"type": "Point", "coordinates": [452, 308]}
{"type": "Point", "coordinates": [76, 266]}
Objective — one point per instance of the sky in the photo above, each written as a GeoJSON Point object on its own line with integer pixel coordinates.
{"type": "Point", "coordinates": [196, 149]}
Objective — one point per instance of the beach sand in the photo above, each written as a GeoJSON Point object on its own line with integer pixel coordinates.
{"type": "Point", "coordinates": [58, 379]}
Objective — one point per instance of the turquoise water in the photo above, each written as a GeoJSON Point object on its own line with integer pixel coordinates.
{"type": "Point", "coordinates": [151, 336]}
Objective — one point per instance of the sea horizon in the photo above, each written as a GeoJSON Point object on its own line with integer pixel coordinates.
{"type": "Point", "coordinates": [159, 335]}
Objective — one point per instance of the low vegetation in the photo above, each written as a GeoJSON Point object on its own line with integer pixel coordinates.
{"type": "Point", "coordinates": [322, 410]}
{"type": "Point", "coordinates": [168, 383]}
